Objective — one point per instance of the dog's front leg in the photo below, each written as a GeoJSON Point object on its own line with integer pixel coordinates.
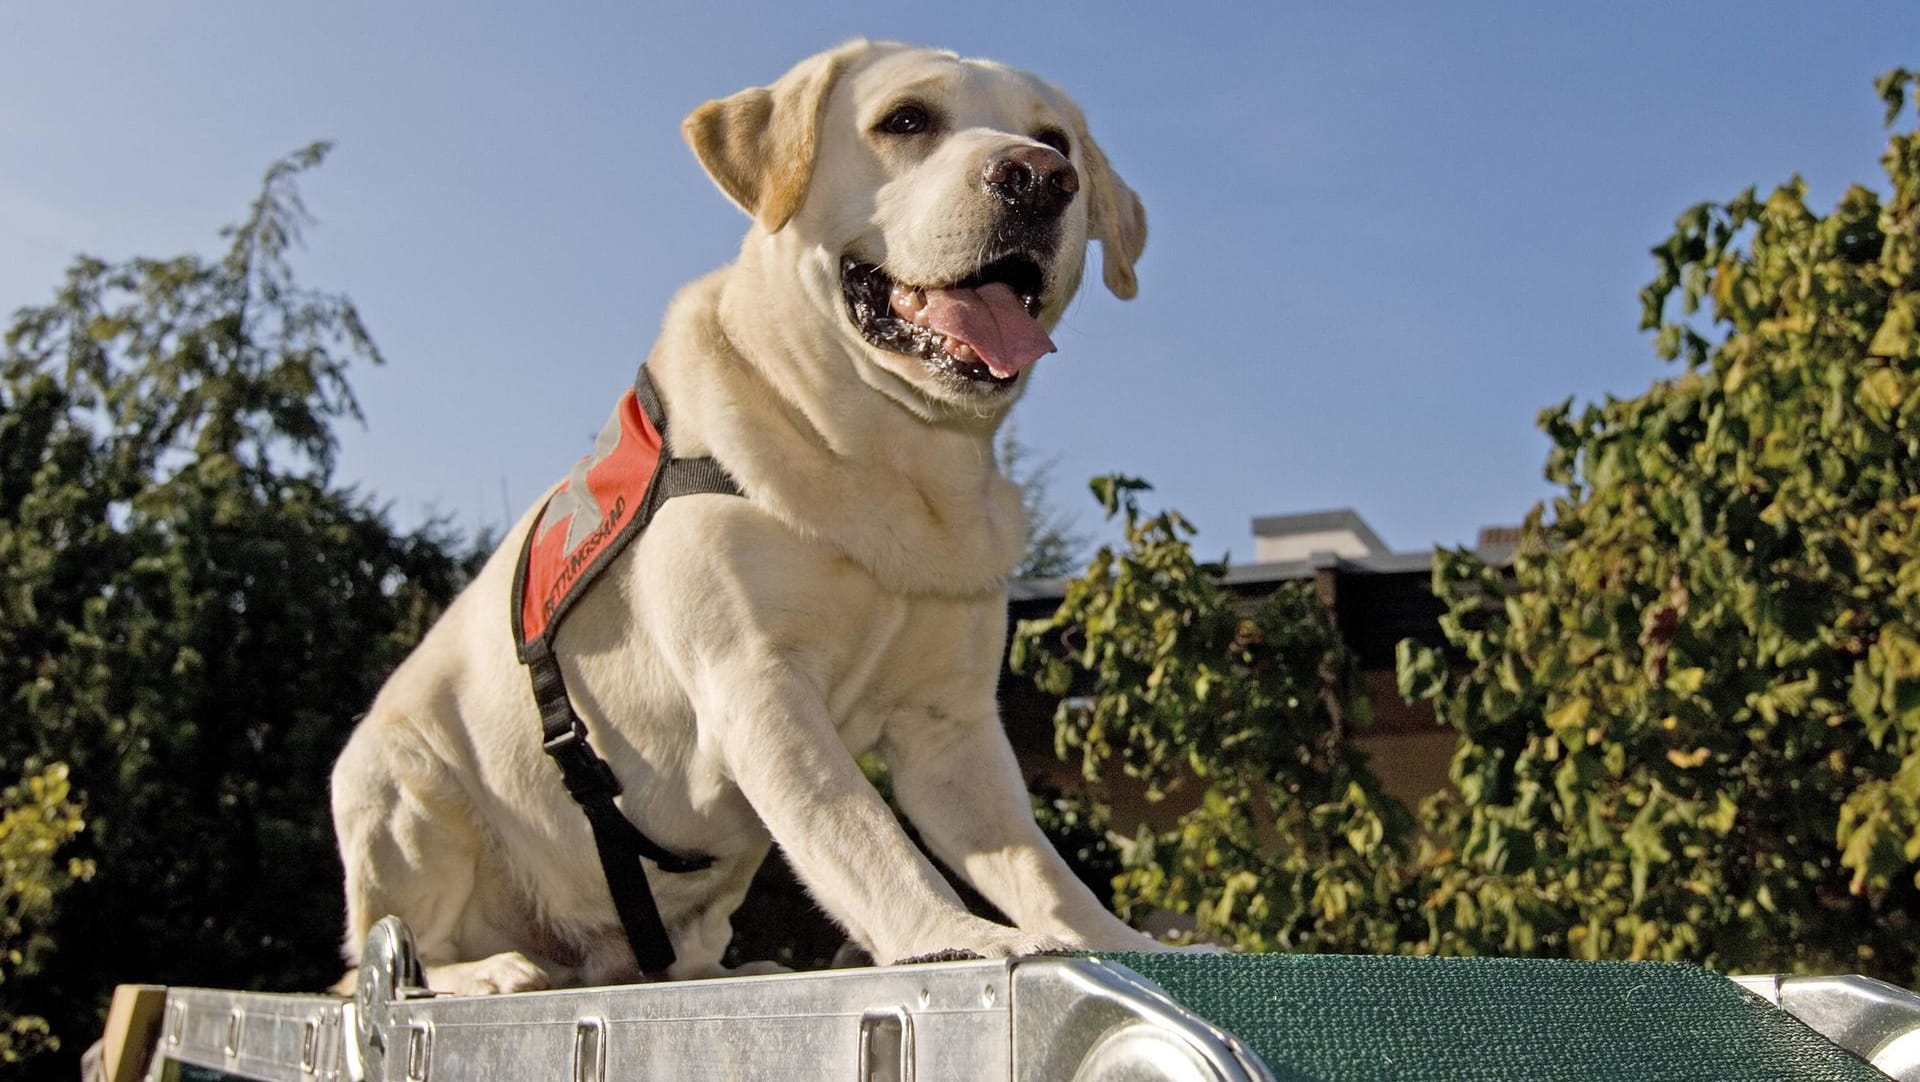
{"type": "Point", "coordinates": [781, 749]}
{"type": "Point", "coordinates": [957, 779]}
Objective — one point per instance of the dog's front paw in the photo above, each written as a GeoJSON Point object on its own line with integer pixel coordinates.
{"type": "Point", "coordinates": [1017, 944]}
{"type": "Point", "coordinates": [995, 941]}
{"type": "Point", "coordinates": [951, 954]}
{"type": "Point", "coordinates": [1124, 939]}
{"type": "Point", "coordinates": [510, 971]}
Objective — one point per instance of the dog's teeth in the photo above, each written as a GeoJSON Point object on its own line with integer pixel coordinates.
{"type": "Point", "coordinates": [907, 303]}
{"type": "Point", "coordinates": [959, 350]}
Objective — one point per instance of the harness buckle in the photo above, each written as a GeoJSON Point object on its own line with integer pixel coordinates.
{"type": "Point", "coordinates": [561, 742]}
{"type": "Point", "coordinates": [585, 774]}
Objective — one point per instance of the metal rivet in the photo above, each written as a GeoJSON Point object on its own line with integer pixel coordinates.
{"type": "Point", "coordinates": [988, 995]}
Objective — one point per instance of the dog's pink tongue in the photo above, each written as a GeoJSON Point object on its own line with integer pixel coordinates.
{"type": "Point", "coordinates": [992, 320]}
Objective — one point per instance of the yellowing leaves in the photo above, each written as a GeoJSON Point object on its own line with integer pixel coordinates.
{"type": "Point", "coordinates": [1883, 387]}
{"type": "Point", "coordinates": [1569, 721]}
{"type": "Point", "coordinates": [1687, 681]}
{"type": "Point", "coordinates": [1897, 336]}
{"type": "Point", "coordinates": [1687, 760]}
{"type": "Point", "coordinates": [37, 819]}
{"type": "Point", "coordinates": [1899, 653]}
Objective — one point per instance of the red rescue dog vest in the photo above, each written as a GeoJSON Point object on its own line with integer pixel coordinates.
{"type": "Point", "coordinates": [608, 498]}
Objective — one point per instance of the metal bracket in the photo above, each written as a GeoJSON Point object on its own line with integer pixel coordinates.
{"type": "Point", "coordinates": [1874, 1020]}
{"type": "Point", "coordinates": [590, 1050]}
{"type": "Point", "coordinates": [1093, 1022]}
{"type": "Point", "coordinates": [886, 1045]}
{"type": "Point", "coordinates": [389, 972]}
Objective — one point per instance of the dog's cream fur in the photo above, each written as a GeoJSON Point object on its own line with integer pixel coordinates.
{"type": "Point", "coordinates": [735, 660]}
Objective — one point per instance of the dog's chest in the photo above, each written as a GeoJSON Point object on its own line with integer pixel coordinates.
{"type": "Point", "coordinates": [855, 717]}
{"type": "Point", "coordinates": [905, 657]}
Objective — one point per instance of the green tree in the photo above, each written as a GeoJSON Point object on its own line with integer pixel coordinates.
{"type": "Point", "coordinates": [1289, 844]}
{"type": "Point", "coordinates": [1054, 545]}
{"type": "Point", "coordinates": [191, 610]}
{"type": "Point", "coordinates": [37, 818]}
{"type": "Point", "coordinates": [1691, 714]}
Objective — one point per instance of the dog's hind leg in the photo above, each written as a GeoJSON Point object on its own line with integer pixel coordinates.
{"type": "Point", "coordinates": [410, 847]}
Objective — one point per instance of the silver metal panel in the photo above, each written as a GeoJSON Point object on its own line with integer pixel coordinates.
{"type": "Point", "coordinates": [270, 1037]}
{"type": "Point", "coordinates": [1034, 1020]}
{"type": "Point", "coordinates": [1038, 1020]}
{"type": "Point", "coordinates": [796, 1026]}
{"type": "Point", "coordinates": [1874, 1020]}
{"type": "Point", "coordinates": [1766, 986]}
{"type": "Point", "coordinates": [1089, 1021]}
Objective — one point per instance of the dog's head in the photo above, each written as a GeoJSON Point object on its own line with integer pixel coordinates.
{"type": "Point", "coordinates": [936, 209]}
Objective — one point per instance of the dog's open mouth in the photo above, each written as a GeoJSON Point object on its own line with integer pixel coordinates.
{"type": "Point", "coordinates": [981, 329]}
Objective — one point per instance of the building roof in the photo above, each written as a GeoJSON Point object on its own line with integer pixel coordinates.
{"type": "Point", "coordinates": [1256, 574]}
{"type": "Point", "coordinates": [1345, 518]}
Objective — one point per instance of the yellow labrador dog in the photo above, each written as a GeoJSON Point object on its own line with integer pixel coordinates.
{"type": "Point", "coordinates": [919, 222]}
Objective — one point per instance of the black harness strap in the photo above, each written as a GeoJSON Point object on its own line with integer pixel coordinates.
{"type": "Point", "coordinates": [677, 476]}
{"type": "Point", "coordinates": [587, 777]}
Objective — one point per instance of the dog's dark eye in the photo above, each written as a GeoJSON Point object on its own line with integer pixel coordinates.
{"type": "Point", "coordinates": [907, 120]}
{"type": "Point", "coordinates": [1056, 139]}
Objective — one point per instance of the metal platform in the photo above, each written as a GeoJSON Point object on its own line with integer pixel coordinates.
{"type": "Point", "coordinates": [1024, 1020]}
{"type": "Point", "coordinates": [1305, 1018]}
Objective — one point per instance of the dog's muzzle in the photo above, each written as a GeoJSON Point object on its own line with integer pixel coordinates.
{"type": "Point", "coordinates": [1034, 182]}
{"type": "Point", "coordinates": [975, 334]}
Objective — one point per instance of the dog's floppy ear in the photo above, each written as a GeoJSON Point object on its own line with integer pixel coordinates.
{"type": "Point", "coordinates": [758, 145]}
{"type": "Point", "coordinates": [1114, 213]}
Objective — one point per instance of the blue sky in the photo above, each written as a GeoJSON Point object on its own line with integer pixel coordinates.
{"type": "Point", "coordinates": [1383, 236]}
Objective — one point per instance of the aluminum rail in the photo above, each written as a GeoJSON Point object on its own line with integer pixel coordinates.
{"type": "Point", "coordinates": [1877, 1021]}
{"type": "Point", "coordinates": [1025, 1020]}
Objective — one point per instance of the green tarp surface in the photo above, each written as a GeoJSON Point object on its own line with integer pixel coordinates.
{"type": "Point", "coordinates": [1335, 1018]}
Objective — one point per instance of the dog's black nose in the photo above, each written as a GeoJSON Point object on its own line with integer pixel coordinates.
{"type": "Point", "coordinates": [1032, 179]}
